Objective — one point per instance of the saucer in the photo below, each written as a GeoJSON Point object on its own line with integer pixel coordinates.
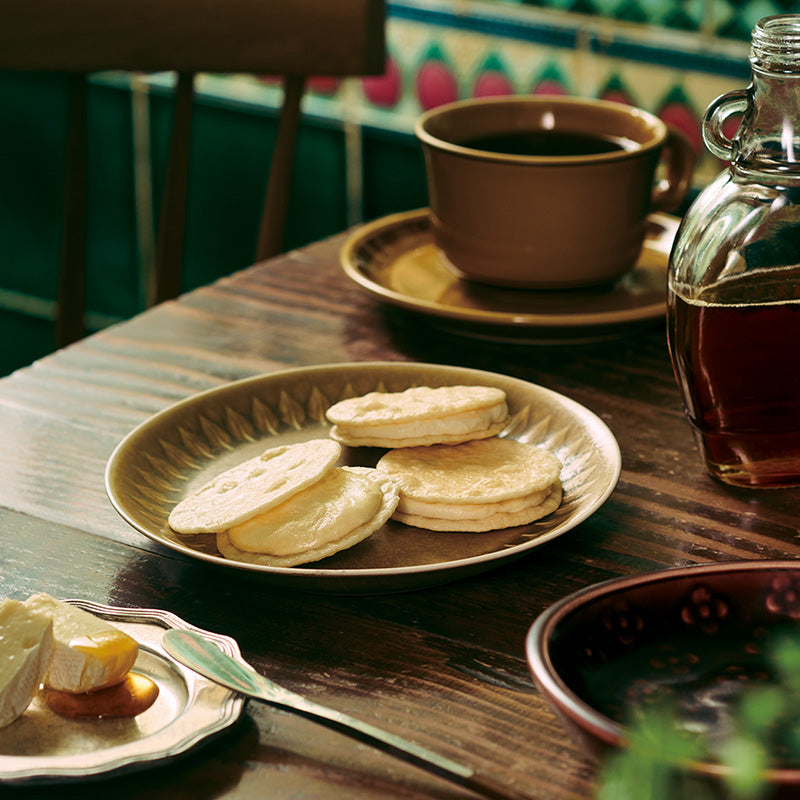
{"type": "Point", "coordinates": [395, 259]}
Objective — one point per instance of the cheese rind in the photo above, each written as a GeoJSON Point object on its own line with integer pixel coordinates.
{"type": "Point", "coordinates": [88, 652]}
{"type": "Point", "coordinates": [26, 644]}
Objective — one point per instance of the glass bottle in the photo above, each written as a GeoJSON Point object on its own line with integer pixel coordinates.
{"type": "Point", "coordinates": [734, 278]}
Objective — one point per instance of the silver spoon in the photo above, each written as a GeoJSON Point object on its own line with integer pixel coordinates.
{"type": "Point", "coordinates": [205, 657]}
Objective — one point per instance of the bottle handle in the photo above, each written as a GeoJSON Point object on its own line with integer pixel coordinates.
{"type": "Point", "coordinates": [679, 159]}
{"type": "Point", "coordinates": [717, 114]}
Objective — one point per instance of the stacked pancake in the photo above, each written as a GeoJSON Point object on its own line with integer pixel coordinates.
{"type": "Point", "coordinates": [288, 506]}
{"type": "Point", "coordinates": [419, 416]}
{"type": "Point", "coordinates": [477, 486]}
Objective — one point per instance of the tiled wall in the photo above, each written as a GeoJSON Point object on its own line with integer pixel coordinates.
{"type": "Point", "coordinates": [732, 19]}
{"type": "Point", "coordinates": [671, 57]}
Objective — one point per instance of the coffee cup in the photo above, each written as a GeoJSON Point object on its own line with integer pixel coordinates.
{"type": "Point", "coordinates": [548, 192]}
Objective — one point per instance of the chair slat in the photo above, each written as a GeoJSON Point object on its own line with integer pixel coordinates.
{"type": "Point", "coordinates": [291, 38]}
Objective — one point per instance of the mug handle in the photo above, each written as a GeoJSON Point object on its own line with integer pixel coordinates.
{"type": "Point", "coordinates": [679, 158]}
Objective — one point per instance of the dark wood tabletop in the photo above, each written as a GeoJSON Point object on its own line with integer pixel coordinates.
{"type": "Point", "coordinates": [442, 666]}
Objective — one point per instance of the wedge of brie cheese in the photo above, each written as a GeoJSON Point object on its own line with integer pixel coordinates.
{"type": "Point", "coordinates": [26, 643]}
{"type": "Point", "coordinates": [88, 653]}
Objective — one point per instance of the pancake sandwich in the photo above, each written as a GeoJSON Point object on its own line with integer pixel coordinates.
{"type": "Point", "coordinates": [419, 416]}
{"type": "Point", "coordinates": [290, 505]}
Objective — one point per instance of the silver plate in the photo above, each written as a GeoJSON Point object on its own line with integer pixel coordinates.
{"type": "Point", "coordinates": [42, 747]}
{"type": "Point", "coordinates": [181, 448]}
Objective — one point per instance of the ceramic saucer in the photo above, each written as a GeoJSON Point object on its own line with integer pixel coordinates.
{"type": "Point", "coordinates": [395, 259]}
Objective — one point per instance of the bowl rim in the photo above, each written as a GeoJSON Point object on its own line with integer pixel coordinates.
{"type": "Point", "coordinates": [569, 705]}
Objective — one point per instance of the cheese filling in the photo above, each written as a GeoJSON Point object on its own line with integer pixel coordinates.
{"type": "Point", "coordinates": [465, 422]}
{"type": "Point", "coordinates": [325, 512]}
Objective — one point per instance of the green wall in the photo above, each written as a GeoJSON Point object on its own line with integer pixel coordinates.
{"type": "Point", "coordinates": [231, 150]}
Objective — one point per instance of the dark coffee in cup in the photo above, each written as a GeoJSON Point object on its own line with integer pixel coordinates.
{"type": "Point", "coordinates": [547, 143]}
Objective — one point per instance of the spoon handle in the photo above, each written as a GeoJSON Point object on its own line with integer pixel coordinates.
{"type": "Point", "coordinates": [203, 656]}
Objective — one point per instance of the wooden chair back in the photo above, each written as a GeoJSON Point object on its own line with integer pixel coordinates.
{"type": "Point", "coordinates": [291, 38]}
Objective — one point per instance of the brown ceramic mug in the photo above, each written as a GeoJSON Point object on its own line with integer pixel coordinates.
{"type": "Point", "coordinates": [543, 192]}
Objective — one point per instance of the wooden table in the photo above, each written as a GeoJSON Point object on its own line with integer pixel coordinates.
{"type": "Point", "coordinates": [443, 666]}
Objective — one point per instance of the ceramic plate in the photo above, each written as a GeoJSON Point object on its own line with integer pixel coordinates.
{"type": "Point", "coordinates": [395, 260]}
{"type": "Point", "coordinates": [42, 747]}
{"type": "Point", "coordinates": [183, 447]}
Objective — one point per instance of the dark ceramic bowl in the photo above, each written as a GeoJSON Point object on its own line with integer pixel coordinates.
{"type": "Point", "coordinates": [695, 636]}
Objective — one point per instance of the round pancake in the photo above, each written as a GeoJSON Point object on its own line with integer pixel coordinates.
{"type": "Point", "coordinates": [420, 415]}
{"type": "Point", "coordinates": [416, 403]}
{"type": "Point", "coordinates": [344, 508]}
{"type": "Point", "coordinates": [254, 486]}
{"type": "Point", "coordinates": [502, 519]}
{"type": "Point", "coordinates": [478, 471]}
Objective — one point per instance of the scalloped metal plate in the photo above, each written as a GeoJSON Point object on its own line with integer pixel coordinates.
{"type": "Point", "coordinates": [183, 447]}
{"type": "Point", "coordinates": [41, 747]}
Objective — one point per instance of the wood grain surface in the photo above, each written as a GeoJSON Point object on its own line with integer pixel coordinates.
{"type": "Point", "coordinates": [444, 666]}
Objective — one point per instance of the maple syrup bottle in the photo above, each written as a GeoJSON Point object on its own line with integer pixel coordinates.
{"type": "Point", "coordinates": [734, 278]}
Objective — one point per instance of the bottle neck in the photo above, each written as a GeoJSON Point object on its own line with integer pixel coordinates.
{"type": "Point", "coordinates": [768, 139]}
{"type": "Point", "coordinates": [776, 44]}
